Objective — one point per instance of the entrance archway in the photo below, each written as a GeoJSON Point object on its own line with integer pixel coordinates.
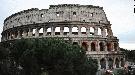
{"type": "Point", "coordinates": [85, 46]}
{"type": "Point", "coordinates": [103, 63]}
{"type": "Point", "coordinates": [101, 44]}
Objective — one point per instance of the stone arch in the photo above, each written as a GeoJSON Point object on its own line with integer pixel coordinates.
{"type": "Point", "coordinates": [75, 43]}
{"type": "Point", "coordinates": [91, 31]}
{"type": "Point", "coordinates": [103, 63]}
{"type": "Point", "coordinates": [57, 30]}
{"type": "Point", "coordinates": [93, 47]}
{"type": "Point", "coordinates": [40, 31]}
{"type": "Point", "coordinates": [117, 62]}
{"type": "Point", "coordinates": [109, 46]}
{"type": "Point", "coordinates": [122, 62]}
{"type": "Point", "coordinates": [83, 30]}
{"type": "Point", "coordinates": [49, 31]}
{"type": "Point", "coordinates": [33, 32]}
{"type": "Point", "coordinates": [101, 45]}
{"type": "Point", "coordinates": [66, 30]}
{"type": "Point", "coordinates": [85, 46]}
{"type": "Point", "coordinates": [110, 63]}
{"type": "Point", "coordinates": [115, 46]}
{"type": "Point", "coordinates": [75, 30]}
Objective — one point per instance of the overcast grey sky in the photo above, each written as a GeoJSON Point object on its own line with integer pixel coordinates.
{"type": "Point", "coordinates": [119, 12]}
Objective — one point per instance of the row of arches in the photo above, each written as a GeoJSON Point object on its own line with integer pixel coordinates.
{"type": "Point", "coordinates": [58, 30]}
{"type": "Point", "coordinates": [102, 46]}
{"type": "Point", "coordinates": [74, 30]}
{"type": "Point", "coordinates": [111, 63]}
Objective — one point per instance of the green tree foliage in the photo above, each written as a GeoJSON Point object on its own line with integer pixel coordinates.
{"type": "Point", "coordinates": [4, 52]}
{"type": "Point", "coordinates": [130, 54]}
{"type": "Point", "coordinates": [50, 55]}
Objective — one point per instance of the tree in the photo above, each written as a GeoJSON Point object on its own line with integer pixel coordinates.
{"type": "Point", "coordinates": [51, 55]}
{"type": "Point", "coordinates": [4, 52]}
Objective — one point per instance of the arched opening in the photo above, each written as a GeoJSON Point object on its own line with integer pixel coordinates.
{"type": "Point", "coordinates": [109, 46]}
{"type": "Point", "coordinates": [91, 31]}
{"type": "Point", "coordinates": [101, 44]}
{"type": "Point", "coordinates": [66, 31]}
{"type": "Point", "coordinates": [110, 63]}
{"type": "Point", "coordinates": [42, 15]}
{"type": "Point", "coordinates": [122, 62]}
{"type": "Point", "coordinates": [117, 63]}
{"type": "Point", "coordinates": [57, 14]}
{"type": "Point", "coordinates": [115, 46]}
{"type": "Point", "coordinates": [15, 33]}
{"type": "Point", "coordinates": [83, 30]}
{"type": "Point", "coordinates": [75, 43]}
{"type": "Point", "coordinates": [74, 13]}
{"type": "Point", "coordinates": [48, 31]}
{"type": "Point", "coordinates": [85, 46]}
{"type": "Point", "coordinates": [33, 32]}
{"type": "Point", "coordinates": [93, 46]}
{"type": "Point", "coordinates": [75, 30]}
{"type": "Point", "coordinates": [103, 63]}
{"type": "Point", "coordinates": [99, 31]}
{"type": "Point", "coordinates": [57, 31]}
{"type": "Point", "coordinates": [41, 32]}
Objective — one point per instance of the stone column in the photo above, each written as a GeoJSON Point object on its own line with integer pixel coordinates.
{"type": "Point", "coordinates": [61, 30]}
{"type": "Point", "coordinates": [105, 44]}
{"type": "Point", "coordinates": [120, 63]}
{"type": "Point", "coordinates": [99, 66]}
{"type": "Point", "coordinates": [88, 31]}
{"type": "Point", "coordinates": [52, 31]}
{"type": "Point", "coordinates": [30, 32]}
{"type": "Point", "coordinates": [114, 65]}
{"type": "Point", "coordinates": [89, 47]}
{"type": "Point", "coordinates": [19, 34]}
{"type": "Point", "coordinates": [107, 63]}
{"type": "Point", "coordinates": [109, 30]}
{"type": "Point", "coordinates": [24, 33]}
{"type": "Point", "coordinates": [37, 32]}
{"type": "Point", "coordinates": [44, 31]}
{"type": "Point", "coordinates": [98, 47]}
{"type": "Point", "coordinates": [70, 30]}
{"type": "Point", "coordinates": [95, 31]}
{"type": "Point", "coordinates": [103, 32]}
{"type": "Point", "coordinates": [79, 31]}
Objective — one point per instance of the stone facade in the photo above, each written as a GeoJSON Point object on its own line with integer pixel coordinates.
{"type": "Point", "coordinates": [86, 25]}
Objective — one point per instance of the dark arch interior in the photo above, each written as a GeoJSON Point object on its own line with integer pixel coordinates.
{"type": "Point", "coordinates": [110, 63]}
{"type": "Point", "coordinates": [109, 46]}
{"type": "Point", "coordinates": [103, 63]}
{"type": "Point", "coordinates": [75, 43]}
{"type": "Point", "coordinates": [101, 46]}
{"type": "Point", "coordinates": [117, 63]}
{"type": "Point", "coordinates": [93, 46]}
{"type": "Point", "coordinates": [115, 46]}
{"type": "Point", "coordinates": [85, 46]}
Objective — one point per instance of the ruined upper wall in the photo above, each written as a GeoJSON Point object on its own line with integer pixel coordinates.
{"type": "Point", "coordinates": [57, 13]}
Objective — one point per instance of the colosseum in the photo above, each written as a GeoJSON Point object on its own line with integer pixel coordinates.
{"type": "Point", "coordinates": [86, 25]}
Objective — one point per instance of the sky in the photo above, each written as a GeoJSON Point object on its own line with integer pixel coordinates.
{"type": "Point", "coordinates": [119, 12]}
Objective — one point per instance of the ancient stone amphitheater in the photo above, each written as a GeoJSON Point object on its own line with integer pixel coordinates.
{"type": "Point", "coordinates": [86, 25]}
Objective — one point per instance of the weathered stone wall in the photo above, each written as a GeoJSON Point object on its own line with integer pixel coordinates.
{"type": "Point", "coordinates": [57, 13]}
